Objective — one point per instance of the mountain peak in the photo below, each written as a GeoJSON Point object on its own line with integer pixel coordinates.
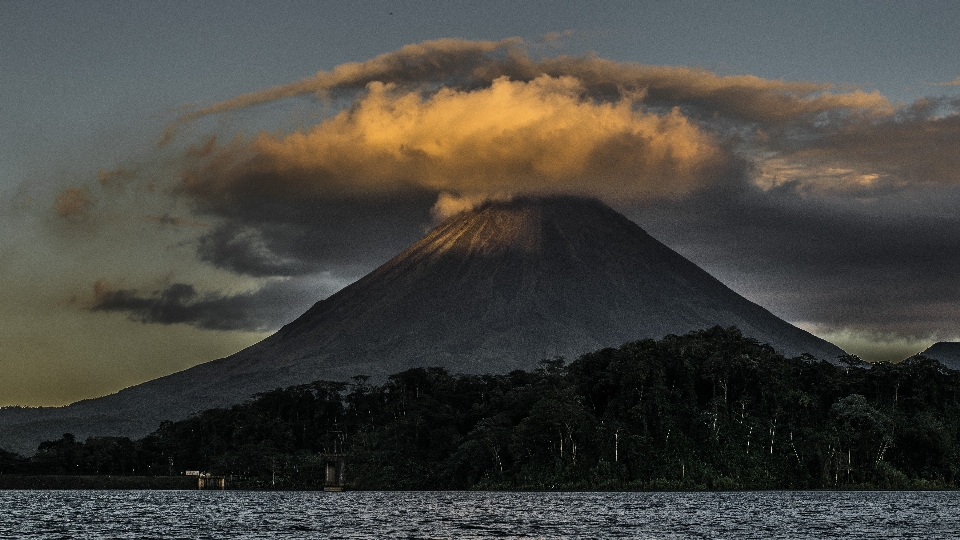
{"type": "Point", "coordinates": [512, 225]}
{"type": "Point", "coordinates": [509, 283]}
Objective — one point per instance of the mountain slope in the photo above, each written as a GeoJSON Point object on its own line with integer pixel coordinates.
{"type": "Point", "coordinates": [494, 289]}
{"type": "Point", "coordinates": [945, 352]}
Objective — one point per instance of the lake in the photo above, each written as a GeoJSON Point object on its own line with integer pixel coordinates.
{"type": "Point", "coordinates": [466, 515]}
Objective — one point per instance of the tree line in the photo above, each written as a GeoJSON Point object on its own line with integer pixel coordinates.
{"type": "Point", "coordinates": [711, 409]}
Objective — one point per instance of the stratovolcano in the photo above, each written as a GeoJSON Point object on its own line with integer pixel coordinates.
{"type": "Point", "coordinates": [496, 288]}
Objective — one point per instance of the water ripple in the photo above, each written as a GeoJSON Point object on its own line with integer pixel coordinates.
{"type": "Point", "coordinates": [218, 515]}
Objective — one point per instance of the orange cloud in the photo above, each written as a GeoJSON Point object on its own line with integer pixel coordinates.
{"type": "Point", "coordinates": [540, 136]}
{"type": "Point", "coordinates": [955, 82]}
{"type": "Point", "coordinates": [553, 37]}
{"type": "Point", "coordinates": [478, 119]}
{"type": "Point", "coordinates": [449, 204]}
{"type": "Point", "coordinates": [457, 63]}
{"type": "Point", "coordinates": [412, 63]}
{"type": "Point", "coordinates": [73, 202]}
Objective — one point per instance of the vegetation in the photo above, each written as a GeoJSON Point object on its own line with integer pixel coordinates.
{"type": "Point", "coordinates": [707, 410]}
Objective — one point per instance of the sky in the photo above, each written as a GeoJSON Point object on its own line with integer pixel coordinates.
{"type": "Point", "coordinates": [178, 180]}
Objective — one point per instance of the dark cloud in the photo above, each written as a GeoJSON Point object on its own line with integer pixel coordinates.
{"type": "Point", "coordinates": [281, 237]}
{"type": "Point", "coordinates": [836, 264]}
{"type": "Point", "coordinates": [913, 150]}
{"type": "Point", "coordinates": [174, 221]}
{"type": "Point", "coordinates": [246, 250]}
{"type": "Point", "coordinates": [267, 308]}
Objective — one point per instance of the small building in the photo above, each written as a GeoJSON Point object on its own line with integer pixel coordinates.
{"type": "Point", "coordinates": [334, 459]}
{"type": "Point", "coordinates": [208, 481]}
{"type": "Point", "coordinates": [335, 467]}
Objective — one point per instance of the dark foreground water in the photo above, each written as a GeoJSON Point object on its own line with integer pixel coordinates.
{"type": "Point", "coordinates": [238, 514]}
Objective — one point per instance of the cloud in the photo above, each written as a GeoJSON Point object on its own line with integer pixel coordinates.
{"type": "Point", "coordinates": [445, 59]}
{"type": "Point", "coordinates": [474, 118]}
{"type": "Point", "coordinates": [455, 63]}
{"type": "Point", "coordinates": [553, 37]}
{"type": "Point", "coordinates": [243, 250]}
{"type": "Point", "coordinates": [119, 177]}
{"type": "Point", "coordinates": [174, 221]}
{"type": "Point", "coordinates": [877, 346]}
{"type": "Point", "coordinates": [73, 202]}
{"type": "Point", "coordinates": [536, 136]}
{"type": "Point", "coordinates": [834, 264]}
{"type": "Point", "coordinates": [894, 153]}
{"type": "Point", "coordinates": [266, 308]}
{"type": "Point", "coordinates": [744, 97]}
{"type": "Point", "coordinates": [288, 236]}
{"type": "Point", "coordinates": [955, 82]}
{"type": "Point", "coordinates": [449, 205]}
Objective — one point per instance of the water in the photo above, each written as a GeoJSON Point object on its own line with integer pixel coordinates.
{"type": "Point", "coordinates": [468, 515]}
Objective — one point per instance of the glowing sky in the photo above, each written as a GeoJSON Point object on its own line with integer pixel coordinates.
{"type": "Point", "coordinates": [178, 180]}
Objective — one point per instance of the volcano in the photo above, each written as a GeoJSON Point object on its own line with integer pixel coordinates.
{"type": "Point", "coordinates": [493, 289]}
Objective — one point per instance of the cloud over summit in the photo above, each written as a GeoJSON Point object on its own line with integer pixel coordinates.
{"type": "Point", "coordinates": [487, 117]}
{"type": "Point", "coordinates": [722, 166]}
{"type": "Point", "coordinates": [462, 64]}
{"type": "Point", "coordinates": [535, 136]}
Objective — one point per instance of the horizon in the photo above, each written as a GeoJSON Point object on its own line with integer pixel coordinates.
{"type": "Point", "coordinates": [177, 184]}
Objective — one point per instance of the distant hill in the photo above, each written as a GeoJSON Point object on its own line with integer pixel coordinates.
{"type": "Point", "coordinates": [945, 352]}
{"type": "Point", "coordinates": [497, 288]}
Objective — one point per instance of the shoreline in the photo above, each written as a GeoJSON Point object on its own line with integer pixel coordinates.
{"type": "Point", "coordinates": [9, 482]}
{"type": "Point", "coordinates": [95, 482]}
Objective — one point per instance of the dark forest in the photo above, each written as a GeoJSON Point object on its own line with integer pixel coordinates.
{"type": "Point", "coordinates": [711, 409]}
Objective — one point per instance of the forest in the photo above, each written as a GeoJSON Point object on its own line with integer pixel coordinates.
{"type": "Point", "coordinates": [708, 410]}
